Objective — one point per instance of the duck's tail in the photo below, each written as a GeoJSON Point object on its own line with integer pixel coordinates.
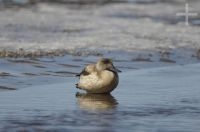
{"type": "Point", "coordinates": [78, 75]}
{"type": "Point", "coordinates": [77, 86]}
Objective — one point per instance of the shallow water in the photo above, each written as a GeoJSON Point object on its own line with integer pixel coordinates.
{"type": "Point", "coordinates": [17, 73]}
{"type": "Point", "coordinates": [159, 99]}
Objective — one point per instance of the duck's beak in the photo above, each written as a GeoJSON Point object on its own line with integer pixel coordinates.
{"type": "Point", "coordinates": [117, 69]}
{"type": "Point", "coordinates": [114, 69]}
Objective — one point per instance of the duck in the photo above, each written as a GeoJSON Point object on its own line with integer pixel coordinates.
{"type": "Point", "coordinates": [99, 78]}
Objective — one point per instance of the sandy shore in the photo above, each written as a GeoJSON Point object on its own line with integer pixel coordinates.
{"type": "Point", "coordinates": [56, 29]}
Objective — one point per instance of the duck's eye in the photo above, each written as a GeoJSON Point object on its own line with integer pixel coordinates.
{"type": "Point", "coordinates": [106, 61]}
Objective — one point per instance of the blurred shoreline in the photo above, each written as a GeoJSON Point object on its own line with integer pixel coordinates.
{"type": "Point", "coordinates": [27, 2]}
{"type": "Point", "coordinates": [45, 29]}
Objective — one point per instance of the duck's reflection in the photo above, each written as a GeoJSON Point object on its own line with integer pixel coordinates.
{"type": "Point", "coordinates": [96, 101]}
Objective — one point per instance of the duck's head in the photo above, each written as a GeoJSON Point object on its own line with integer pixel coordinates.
{"type": "Point", "coordinates": [106, 64]}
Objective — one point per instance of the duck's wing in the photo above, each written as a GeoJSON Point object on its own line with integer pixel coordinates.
{"type": "Point", "coordinates": [83, 72]}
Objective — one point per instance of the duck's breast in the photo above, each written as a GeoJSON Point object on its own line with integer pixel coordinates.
{"type": "Point", "coordinates": [102, 82]}
{"type": "Point", "coordinates": [109, 81]}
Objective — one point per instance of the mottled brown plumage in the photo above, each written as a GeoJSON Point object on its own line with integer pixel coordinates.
{"type": "Point", "coordinates": [101, 77]}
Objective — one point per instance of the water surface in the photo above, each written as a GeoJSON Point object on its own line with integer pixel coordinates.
{"type": "Point", "coordinates": [150, 100]}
